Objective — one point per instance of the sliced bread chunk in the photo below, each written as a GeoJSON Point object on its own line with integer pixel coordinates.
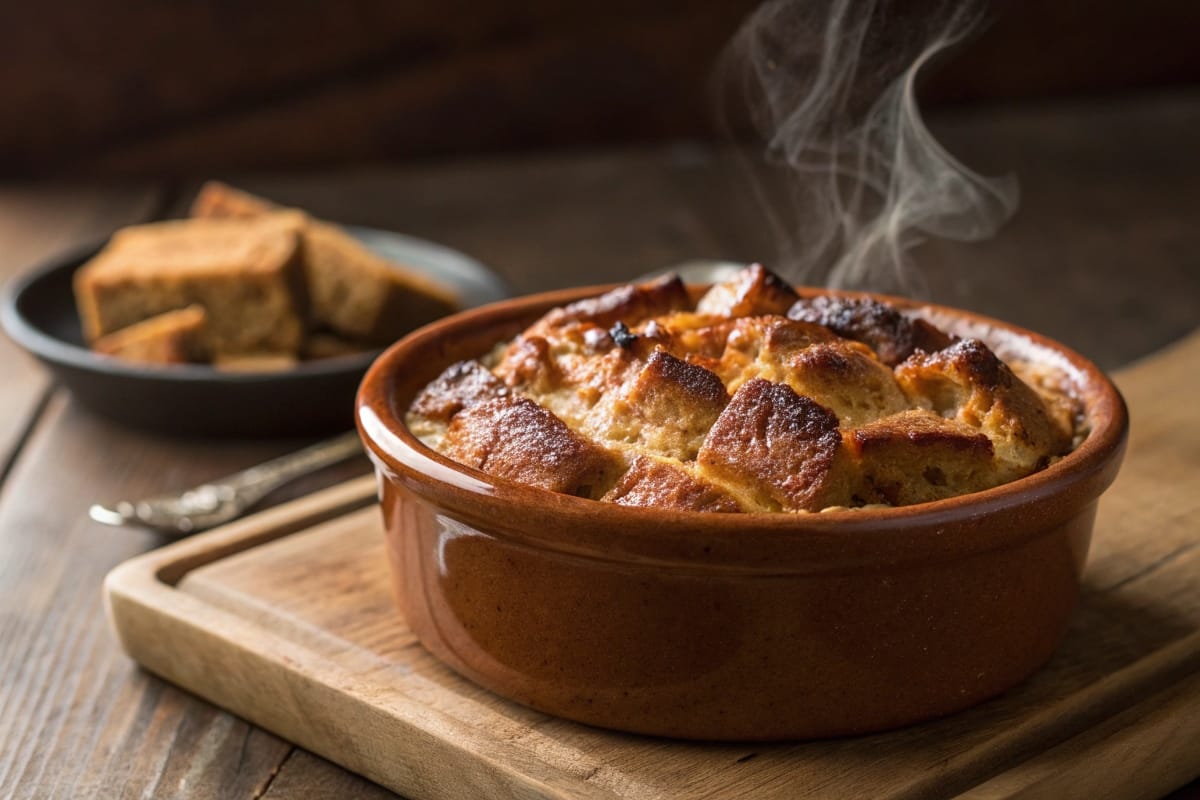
{"type": "Point", "coordinates": [173, 337]}
{"type": "Point", "coordinates": [246, 273]}
{"type": "Point", "coordinates": [354, 292]}
{"type": "Point", "coordinates": [362, 295]}
{"type": "Point", "coordinates": [218, 199]}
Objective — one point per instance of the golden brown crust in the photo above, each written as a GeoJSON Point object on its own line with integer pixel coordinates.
{"type": "Point", "coordinates": [752, 291]}
{"type": "Point", "coordinates": [629, 304]}
{"type": "Point", "coordinates": [846, 378]}
{"type": "Point", "coordinates": [817, 420]}
{"type": "Point", "coordinates": [515, 438]}
{"type": "Point", "coordinates": [220, 200]}
{"type": "Point", "coordinates": [665, 409]}
{"type": "Point", "coordinates": [174, 337]}
{"type": "Point", "coordinates": [967, 382]}
{"type": "Point", "coordinates": [892, 335]}
{"type": "Point", "coordinates": [777, 447]}
{"type": "Point", "coordinates": [917, 456]}
{"type": "Point", "coordinates": [527, 363]}
{"type": "Point", "coordinates": [460, 386]}
{"type": "Point", "coordinates": [655, 483]}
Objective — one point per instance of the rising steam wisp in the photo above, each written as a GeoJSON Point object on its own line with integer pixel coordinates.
{"type": "Point", "coordinates": [831, 86]}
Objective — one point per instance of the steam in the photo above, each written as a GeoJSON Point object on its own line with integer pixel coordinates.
{"type": "Point", "coordinates": [831, 86]}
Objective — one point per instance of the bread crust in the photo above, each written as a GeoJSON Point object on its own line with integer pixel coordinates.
{"type": "Point", "coordinates": [657, 483]}
{"type": "Point", "coordinates": [247, 274]}
{"type": "Point", "coordinates": [699, 409]}
{"type": "Point", "coordinates": [515, 438]}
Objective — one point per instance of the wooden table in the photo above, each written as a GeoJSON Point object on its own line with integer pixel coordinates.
{"type": "Point", "coordinates": [1104, 255]}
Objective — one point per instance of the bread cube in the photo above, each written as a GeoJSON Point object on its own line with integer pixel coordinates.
{"type": "Point", "coordinates": [968, 383]}
{"type": "Point", "coordinates": [892, 335]}
{"type": "Point", "coordinates": [515, 438]}
{"type": "Point", "coordinates": [173, 337]}
{"type": "Point", "coordinates": [656, 483]}
{"type": "Point", "coordinates": [246, 273]}
{"type": "Point", "coordinates": [666, 408]}
{"type": "Point", "coordinates": [781, 451]}
{"type": "Point", "coordinates": [917, 456]}
{"type": "Point", "coordinates": [752, 291]}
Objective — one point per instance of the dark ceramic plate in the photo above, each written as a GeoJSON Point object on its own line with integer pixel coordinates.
{"type": "Point", "coordinates": [314, 397]}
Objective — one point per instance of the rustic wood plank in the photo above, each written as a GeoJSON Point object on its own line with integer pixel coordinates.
{"type": "Point", "coordinates": [76, 719]}
{"type": "Point", "coordinates": [306, 775]}
{"type": "Point", "coordinates": [36, 224]}
{"type": "Point", "coordinates": [1139, 753]}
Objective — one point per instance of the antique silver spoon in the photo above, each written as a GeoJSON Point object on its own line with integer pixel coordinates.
{"type": "Point", "coordinates": [220, 501]}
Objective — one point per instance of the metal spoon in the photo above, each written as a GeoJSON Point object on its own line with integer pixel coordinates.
{"type": "Point", "coordinates": [220, 501]}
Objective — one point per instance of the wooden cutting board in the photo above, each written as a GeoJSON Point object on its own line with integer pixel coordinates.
{"type": "Point", "coordinates": [286, 619]}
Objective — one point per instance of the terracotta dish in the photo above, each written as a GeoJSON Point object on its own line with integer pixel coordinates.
{"type": "Point", "coordinates": [751, 626]}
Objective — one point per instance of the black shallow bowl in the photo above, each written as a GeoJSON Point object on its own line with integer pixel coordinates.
{"type": "Point", "coordinates": [38, 313]}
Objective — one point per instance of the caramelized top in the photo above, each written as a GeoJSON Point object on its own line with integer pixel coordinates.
{"type": "Point", "coordinates": [751, 400]}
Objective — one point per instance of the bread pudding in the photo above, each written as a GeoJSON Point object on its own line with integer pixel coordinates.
{"type": "Point", "coordinates": [747, 399]}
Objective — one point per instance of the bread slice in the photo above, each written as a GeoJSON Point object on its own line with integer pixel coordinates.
{"type": "Point", "coordinates": [362, 295]}
{"type": "Point", "coordinates": [174, 337]}
{"type": "Point", "coordinates": [218, 199]}
{"type": "Point", "coordinates": [660, 483]}
{"type": "Point", "coordinates": [354, 292]}
{"type": "Point", "coordinates": [515, 438]}
{"type": "Point", "coordinates": [246, 273]}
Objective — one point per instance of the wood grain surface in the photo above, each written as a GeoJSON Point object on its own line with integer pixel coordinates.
{"type": "Point", "coordinates": [1105, 255]}
{"type": "Point", "coordinates": [299, 634]}
{"type": "Point", "coordinates": [37, 224]}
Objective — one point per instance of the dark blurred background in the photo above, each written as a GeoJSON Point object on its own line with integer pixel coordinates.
{"type": "Point", "coordinates": [189, 87]}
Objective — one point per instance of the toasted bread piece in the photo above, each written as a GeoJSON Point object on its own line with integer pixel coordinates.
{"type": "Point", "coordinates": [629, 305]}
{"type": "Point", "coordinates": [515, 438]}
{"type": "Point", "coordinates": [364, 296]}
{"type": "Point", "coordinates": [842, 375]}
{"type": "Point", "coordinates": [569, 368]}
{"type": "Point", "coordinates": [217, 199]}
{"type": "Point", "coordinates": [246, 273]}
{"type": "Point", "coordinates": [967, 382]}
{"type": "Point", "coordinates": [917, 456]}
{"type": "Point", "coordinates": [657, 483]}
{"type": "Point", "coordinates": [461, 385]}
{"type": "Point", "coordinates": [752, 291]}
{"type": "Point", "coordinates": [665, 409]}
{"type": "Point", "coordinates": [846, 378]}
{"type": "Point", "coordinates": [353, 291]}
{"type": "Point", "coordinates": [781, 451]}
{"type": "Point", "coordinates": [816, 421]}
{"type": "Point", "coordinates": [893, 336]}
{"type": "Point", "coordinates": [173, 337]}
{"type": "Point", "coordinates": [528, 364]}
{"type": "Point", "coordinates": [734, 348]}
